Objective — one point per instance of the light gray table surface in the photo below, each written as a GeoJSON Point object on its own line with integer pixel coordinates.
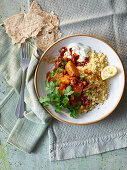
{"type": "Point", "coordinates": [11, 158]}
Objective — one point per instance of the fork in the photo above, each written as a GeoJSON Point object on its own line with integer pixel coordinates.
{"type": "Point", "coordinates": [25, 60]}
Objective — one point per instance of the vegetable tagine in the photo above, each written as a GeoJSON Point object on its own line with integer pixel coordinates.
{"type": "Point", "coordinates": [74, 84]}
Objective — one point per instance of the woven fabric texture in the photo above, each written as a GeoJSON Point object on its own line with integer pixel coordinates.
{"type": "Point", "coordinates": [106, 19]}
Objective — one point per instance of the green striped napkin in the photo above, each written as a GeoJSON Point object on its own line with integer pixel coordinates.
{"type": "Point", "coordinates": [22, 133]}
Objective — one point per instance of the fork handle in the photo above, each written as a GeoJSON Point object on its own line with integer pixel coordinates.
{"type": "Point", "coordinates": [20, 106]}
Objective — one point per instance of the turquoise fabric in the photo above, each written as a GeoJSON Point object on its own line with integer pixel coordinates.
{"type": "Point", "coordinates": [23, 133]}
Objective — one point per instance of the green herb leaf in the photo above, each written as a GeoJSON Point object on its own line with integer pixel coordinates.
{"type": "Point", "coordinates": [69, 88]}
{"type": "Point", "coordinates": [56, 82]}
{"type": "Point", "coordinates": [52, 73]}
{"type": "Point", "coordinates": [54, 97]}
{"type": "Point", "coordinates": [62, 67]}
{"type": "Point", "coordinates": [58, 106]}
{"type": "Point", "coordinates": [77, 94]}
{"type": "Point", "coordinates": [63, 61]}
{"type": "Point", "coordinates": [65, 101]}
{"type": "Point", "coordinates": [68, 91]}
{"type": "Point", "coordinates": [44, 101]}
{"type": "Point", "coordinates": [57, 110]}
{"type": "Point", "coordinates": [78, 105]}
{"type": "Point", "coordinates": [52, 85]}
{"type": "Point", "coordinates": [59, 70]}
{"type": "Point", "coordinates": [89, 91]}
{"type": "Point", "coordinates": [46, 83]}
{"type": "Point", "coordinates": [72, 112]}
{"type": "Point", "coordinates": [46, 89]}
{"type": "Point", "coordinates": [57, 92]}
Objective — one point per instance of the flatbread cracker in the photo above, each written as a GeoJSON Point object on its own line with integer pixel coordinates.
{"type": "Point", "coordinates": [46, 37]}
{"type": "Point", "coordinates": [40, 25]}
{"type": "Point", "coordinates": [49, 17]}
{"type": "Point", "coordinates": [48, 34]}
{"type": "Point", "coordinates": [22, 26]}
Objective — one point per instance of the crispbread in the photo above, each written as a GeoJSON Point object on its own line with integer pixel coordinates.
{"type": "Point", "coordinates": [49, 17]}
{"type": "Point", "coordinates": [46, 37]}
{"type": "Point", "coordinates": [40, 25]}
{"type": "Point", "coordinates": [20, 27]}
{"type": "Point", "coordinates": [48, 34]}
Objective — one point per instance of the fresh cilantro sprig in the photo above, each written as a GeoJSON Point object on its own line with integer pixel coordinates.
{"type": "Point", "coordinates": [63, 61]}
{"type": "Point", "coordinates": [68, 91]}
{"type": "Point", "coordinates": [52, 73]}
{"type": "Point", "coordinates": [59, 70]}
{"type": "Point", "coordinates": [46, 101]}
{"type": "Point", "coordinates": [60, 102]}
{"type": "Point", "coordinates": [77, 94]}
{"type": "Point", "coordinates": [74, 109]}
{"type": "Point", "coordinates": [53, 95]}
{"type": "Point", "coordinates": [87, 92]}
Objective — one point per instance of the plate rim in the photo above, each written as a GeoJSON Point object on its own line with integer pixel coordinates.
{"type": "Point", "coordinates": [36, 72]}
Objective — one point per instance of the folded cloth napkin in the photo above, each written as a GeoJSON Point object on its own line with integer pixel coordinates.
{"type": "Point", "coordinates": [108, 20]}
{"type": "Point", "coordinates": [23, 133]}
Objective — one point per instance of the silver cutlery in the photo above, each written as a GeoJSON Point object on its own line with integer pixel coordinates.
{"type": "Point", "coordinates": [25, 60]}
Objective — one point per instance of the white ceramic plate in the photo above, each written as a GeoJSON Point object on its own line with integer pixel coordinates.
{"type": "Point", "coordinates": [116, 84]}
